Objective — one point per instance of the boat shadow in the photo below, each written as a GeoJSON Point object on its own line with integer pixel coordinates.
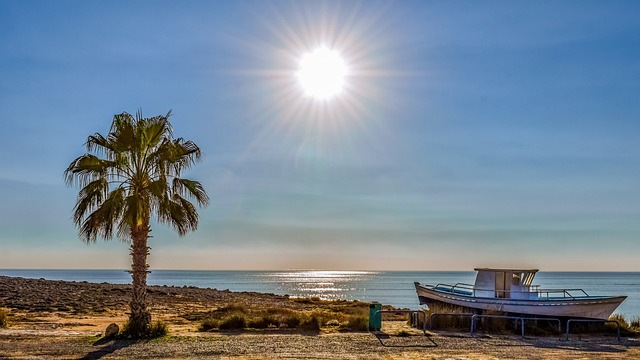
{"type": "Point", "coordinates": [414, 341]}
{"type": "Point", "coordinates": [594, 345]}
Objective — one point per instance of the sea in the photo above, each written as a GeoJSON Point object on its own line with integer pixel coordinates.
{"type": "Point", "coordinates": [387, 287]}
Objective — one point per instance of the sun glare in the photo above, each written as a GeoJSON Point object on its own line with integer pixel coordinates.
{"type": "Point", "coordinates": [321, 73]}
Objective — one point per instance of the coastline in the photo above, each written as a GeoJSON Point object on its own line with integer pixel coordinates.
{"type": "Point", "coordinates": [388, 287]}
{"type": "Point", "coordinates": [61, 319]}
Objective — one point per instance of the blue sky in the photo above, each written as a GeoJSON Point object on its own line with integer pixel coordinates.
{"type": "Point", "coordinates": [468, 134]}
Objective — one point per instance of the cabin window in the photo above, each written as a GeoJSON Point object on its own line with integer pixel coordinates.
{"type": "Point", "coordinates": [516, 279]}
{"type": "Point", "coordinates": [528, 279]}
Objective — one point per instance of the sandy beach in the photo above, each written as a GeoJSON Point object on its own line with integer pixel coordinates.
{"type": "Point", "coordinates": [66, 320]}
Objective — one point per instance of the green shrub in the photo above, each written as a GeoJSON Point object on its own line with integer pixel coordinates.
{"type": "Point", "coordinates": [597, 327]}
{"type": "Point", "coordinates": [292, 321]}
{"type": "Point", "coordinates": [310, 324]}
{"type": "Point", "coordinates": [495, 324]}
{"type": "Point", "coordinates": [258, 319]}
{"type": "Point", "coordinates": [344, 316]}
{"type": "Point", "coordinates": [263, 322]}
{"type": "Point", "coordinates": [158, 329]}
{"type": "Point", "coordinates": [278, 311]}
{"type": "Point", "coordinates": [233, 308]}
{"type": "Point", "coordinates": [208, 324]}
{"type": "Point", "coordinates": [620, 319]}
{"type": "Point", "coordinates": [4, 321]}
{"type": "Point", "coordinates": [453, 321]}
{"type": "Point", "coordinates": [233, 322]}
{"type": "Point", "coordinates": [631, 327]}
{"type": "Point", "coordinates": [358, 323]}
{"type": "Point", "coordinates": [324, 315]}
{"type": "Point", "coordinates": [354, 309]}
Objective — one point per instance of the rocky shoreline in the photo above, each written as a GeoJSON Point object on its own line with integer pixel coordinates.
{"type": "Point", "coordinates": [75, 298]}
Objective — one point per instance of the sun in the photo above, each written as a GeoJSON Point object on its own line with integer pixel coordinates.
{"type": "Point", "coordinates": [321, 73]}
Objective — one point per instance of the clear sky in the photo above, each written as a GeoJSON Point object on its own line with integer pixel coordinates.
{"type": "Point", "coordinates": [467, 134]}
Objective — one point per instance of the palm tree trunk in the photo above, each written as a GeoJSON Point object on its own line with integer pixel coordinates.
{"type": "Point", "coordinates": [140, 318]}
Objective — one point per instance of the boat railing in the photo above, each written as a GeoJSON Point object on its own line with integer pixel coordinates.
{"type": "Point", "coordinates": [547, 293]}
{"type": "Point", "coordinates": [458, 288]}
{"type": "Point", "coordinates": [561, 293]}
{"type": "Point", "coordinates": [470, 290]}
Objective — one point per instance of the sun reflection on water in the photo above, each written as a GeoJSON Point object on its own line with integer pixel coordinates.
{"type": "Point", "coordinates": [323, 284]}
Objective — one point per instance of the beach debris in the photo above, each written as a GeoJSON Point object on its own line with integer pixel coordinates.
{"type": "Point", "coordinates": [112, 330]}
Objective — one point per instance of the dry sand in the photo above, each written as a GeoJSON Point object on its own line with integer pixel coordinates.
{"type": "Point", "coordinates": [64, 320]}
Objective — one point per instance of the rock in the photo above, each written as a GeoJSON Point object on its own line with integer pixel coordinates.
{"type": "Point", "coordinates": [112, 330]}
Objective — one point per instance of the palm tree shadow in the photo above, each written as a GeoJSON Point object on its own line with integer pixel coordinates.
{"type": "Point", "coordinates": [108, 346]}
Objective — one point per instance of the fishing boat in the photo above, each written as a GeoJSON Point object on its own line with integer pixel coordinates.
{"type": "Point", "coordinates": [511, 291]}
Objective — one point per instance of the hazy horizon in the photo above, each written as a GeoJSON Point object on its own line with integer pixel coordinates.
{"type": "Point", "coordinates": [467, 134]}
{"type": "Point", "coordinates": [321, 271]}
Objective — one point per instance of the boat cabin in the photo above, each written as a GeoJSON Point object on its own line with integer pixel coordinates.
{"type": "Point", "coordinates": [506, 283]}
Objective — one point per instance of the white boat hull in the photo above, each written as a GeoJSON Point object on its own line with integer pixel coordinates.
{"type": "Point", "coordinates": [591, 307]}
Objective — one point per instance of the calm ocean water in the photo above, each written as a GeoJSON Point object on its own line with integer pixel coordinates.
{"type": "Point", "coordinates": [387, 287]}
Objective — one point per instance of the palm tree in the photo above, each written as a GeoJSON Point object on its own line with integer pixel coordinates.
{"type": "Point", "coordinates": [139, 174]}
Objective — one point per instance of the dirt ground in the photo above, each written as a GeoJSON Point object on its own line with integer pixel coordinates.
{"type": "Point", "coordinates": [80, 338]}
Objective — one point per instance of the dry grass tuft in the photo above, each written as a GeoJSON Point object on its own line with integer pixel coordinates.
{"type": "Point", "coordinates": [4, 319]}
{"type": "Point", "coordinates": [338, 317]}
